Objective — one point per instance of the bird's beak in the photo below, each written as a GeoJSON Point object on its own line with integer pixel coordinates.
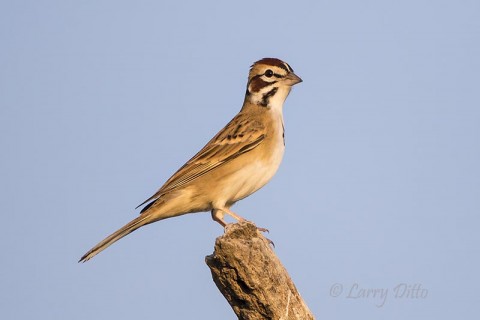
{"type": "Point", "coordinates": [292, 79]}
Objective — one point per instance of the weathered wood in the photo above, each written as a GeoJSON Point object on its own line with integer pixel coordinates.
{"type": "Point", "coordinates": [251, 277]}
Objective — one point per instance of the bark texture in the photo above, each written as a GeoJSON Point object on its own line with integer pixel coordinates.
{"type": "Point", "coordinates": [251, 277]}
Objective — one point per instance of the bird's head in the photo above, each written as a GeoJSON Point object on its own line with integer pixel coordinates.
{"type": "Point", "coordinates": [269, 82]}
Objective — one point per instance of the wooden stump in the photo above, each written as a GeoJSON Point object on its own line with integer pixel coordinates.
{"type": "Point", "coordinates": [251, 277]}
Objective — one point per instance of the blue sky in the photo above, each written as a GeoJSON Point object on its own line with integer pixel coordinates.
{"type": "Point", "coordinates": [101, 101]}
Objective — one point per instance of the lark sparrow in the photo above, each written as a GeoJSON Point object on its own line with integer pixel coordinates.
{"type": "Point", "coordinates": [238, 161]}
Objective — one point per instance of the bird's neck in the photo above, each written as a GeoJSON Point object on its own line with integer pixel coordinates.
{"type": "Point", "coordinates": [271, 98]}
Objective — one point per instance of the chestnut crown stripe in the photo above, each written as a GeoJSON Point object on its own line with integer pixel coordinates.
{"type": "Point", "coordinates": [275, 62]}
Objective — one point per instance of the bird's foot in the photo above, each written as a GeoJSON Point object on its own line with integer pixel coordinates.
{"type": "Point", "coordinates": [270, 242]}
{"type": "Point", "coordinates": [227, 226]}
{"type": "Point", "coordinates": [263, 230]}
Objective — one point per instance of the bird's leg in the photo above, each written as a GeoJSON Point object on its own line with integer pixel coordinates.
{"type": "Point", "coordinates": [238, 218]}
{"type": "Point", "coordinates": [233, 214]}
{"type": "Point", "coordinates": [217, 215]}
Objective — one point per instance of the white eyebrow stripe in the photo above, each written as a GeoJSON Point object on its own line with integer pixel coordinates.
{"type": "Point", "coordinates": [288, 67]}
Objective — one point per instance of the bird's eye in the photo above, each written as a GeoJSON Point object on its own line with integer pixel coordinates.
{"type": "Point", "coordinates": [268, 73]}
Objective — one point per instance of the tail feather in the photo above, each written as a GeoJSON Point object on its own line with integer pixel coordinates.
{"type": "Point", "coordinates": [117, 235]}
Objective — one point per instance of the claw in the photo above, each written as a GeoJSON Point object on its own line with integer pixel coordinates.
{"type": "Point", "coordinates": [271, 242]}
{"type": "Point", "coordinates": [263, 230]}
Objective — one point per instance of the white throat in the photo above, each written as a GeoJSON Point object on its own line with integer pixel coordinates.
{"type": "Point", "coordinates": [276, 101]}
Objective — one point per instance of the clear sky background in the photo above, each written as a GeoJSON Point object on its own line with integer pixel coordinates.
{"type": "Point", "coordinates": [101, 101]}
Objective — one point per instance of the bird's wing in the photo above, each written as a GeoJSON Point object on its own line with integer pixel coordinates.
{"type": "Point", "coordinates": [239, 136]}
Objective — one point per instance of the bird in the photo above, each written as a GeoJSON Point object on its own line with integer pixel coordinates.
{"type": "Point", "coordinates": [239, 160]}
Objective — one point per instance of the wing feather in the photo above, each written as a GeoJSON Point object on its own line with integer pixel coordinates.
{"type": "Point", "coordinates": [239, 136]}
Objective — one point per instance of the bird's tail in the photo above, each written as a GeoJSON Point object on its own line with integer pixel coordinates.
{"type": "Point", "coordinates": [117, 235]}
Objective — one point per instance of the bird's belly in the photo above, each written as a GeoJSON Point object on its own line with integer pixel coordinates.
{"type": "Point", "coordinates": [232, 185]}
{"type": "Point", "coordinates": [251, 177]}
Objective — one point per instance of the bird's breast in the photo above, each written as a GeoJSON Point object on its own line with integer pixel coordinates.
{"type": "Point", "coordinates": [258, 166]}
